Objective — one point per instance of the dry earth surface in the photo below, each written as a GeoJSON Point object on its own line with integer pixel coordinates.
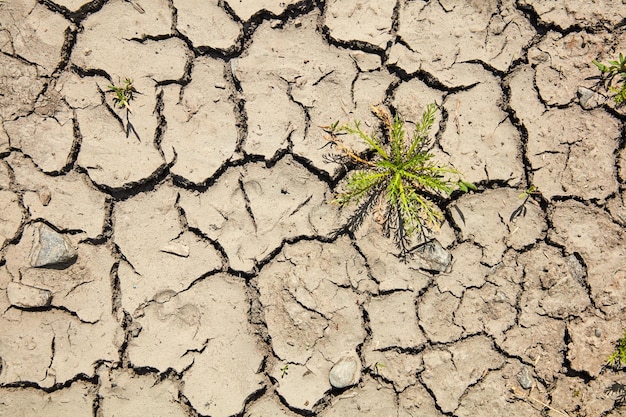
{"type": "Point", "coordinates": [180, 260]}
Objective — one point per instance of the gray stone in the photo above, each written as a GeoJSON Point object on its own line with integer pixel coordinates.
{"type": "Point", "coordinates": [50, 248]}
{"type": "Point", "coordinates": [524, 379]}
{"type": "Point", "coordinates": [588, 99]}
{"type": "Point", "coordinates": [433, 257]}
{"type": "Point", "coordinates": [27, 296]}
{"type": "Point", "coordinates": [346, 372]}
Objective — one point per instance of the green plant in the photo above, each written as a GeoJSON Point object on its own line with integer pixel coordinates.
{"type": "Point", "coordinates": [609, 72]}
{"type": "Point", "coordinates": [123, 95]}
{"type": "Point", "coordinates": [396, 179]}
{"type": "Point", "coordinates": [618, 357]}
{"type": "Point", "coordinates": [284, 370]}
{"type": "Point", "coordinates": [378, 366]}
{"type": "Point", "coordinates": [521, 210]}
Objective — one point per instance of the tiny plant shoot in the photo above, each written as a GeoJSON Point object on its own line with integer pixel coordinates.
{"type": "Point", "coordinates": [521, 210]}
{"type": "Point", "coordinates": [609, 72]}
{"type": "Point", "coordinates": [399, 182]}
{"type": "Point", "coordinates": [618, 357]}
{"type": "Point", "coordinates": [123, 95]}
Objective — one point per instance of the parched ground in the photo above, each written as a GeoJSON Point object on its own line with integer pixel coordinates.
{"type": "Point", "coordinates": [181, 260]}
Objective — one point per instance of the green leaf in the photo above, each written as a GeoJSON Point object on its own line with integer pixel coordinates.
{"type": "Point", "coordinates": [397, 181]}
{"type": "Point", "coordinates": [600, 66]}
{"type": "Point", "coordinates": [466, 186]}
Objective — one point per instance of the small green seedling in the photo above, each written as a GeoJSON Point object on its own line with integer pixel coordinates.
{"type": "Point", "coordinates": [284, 370]}
{"type": "Point", "coordinates": [618, 357]}
{"type": "Point", "coordinates": [609, 72]}
{"type": "Point", "coordinates": [123, 95]}
{"type": "Point", "coordinates": [377, 367]}
{"type": "Point", "coordinates": [399, 183]}
{"type": "Point", "coordinates": [521, 210]}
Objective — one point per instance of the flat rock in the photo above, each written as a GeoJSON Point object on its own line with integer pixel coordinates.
{"type": "Point", "coordinates": [345, 372]}
{"type": "Point", "coordinates": [589, 99]}
{"type": "Point", "coordinates": [353, 21]}
{"type": "Point", "coordinates": [393, 321]}
{"type": "Point", "coordinates": [26, 296]}
{"type": "Point", "coordinates": [207, 24]}
{"type": "Point", "coordinates": [37, 34]}
{"type": "Point", "coordinates": [524, 378]}
{"type": "Point", "coordinates": [50, 248]}
{"type": "Point", "coordinates": [199, 142]}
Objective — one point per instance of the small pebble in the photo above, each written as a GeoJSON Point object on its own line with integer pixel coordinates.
{"type": "Point", "coordinates": [346, 372]}
{"type": "Point", "coordinates": [524, 379]}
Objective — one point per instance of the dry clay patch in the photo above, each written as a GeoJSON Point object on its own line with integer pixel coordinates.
{"type": "Point", "coordinates": [170, 208]}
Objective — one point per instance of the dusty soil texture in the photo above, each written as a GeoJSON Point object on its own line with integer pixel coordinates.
{"type": "Point", "coordinates": [180, 260]}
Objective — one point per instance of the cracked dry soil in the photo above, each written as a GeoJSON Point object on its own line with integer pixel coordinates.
{"type": "Point", "coordinates": [201, 275]}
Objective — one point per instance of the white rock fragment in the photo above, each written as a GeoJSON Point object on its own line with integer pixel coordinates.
{"type": "Point", "coordinates": [26, 296]}
{"type": "Point", "coordinates": [176, 249]}
{"type": "Point", "coordinates": [346, 372]}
